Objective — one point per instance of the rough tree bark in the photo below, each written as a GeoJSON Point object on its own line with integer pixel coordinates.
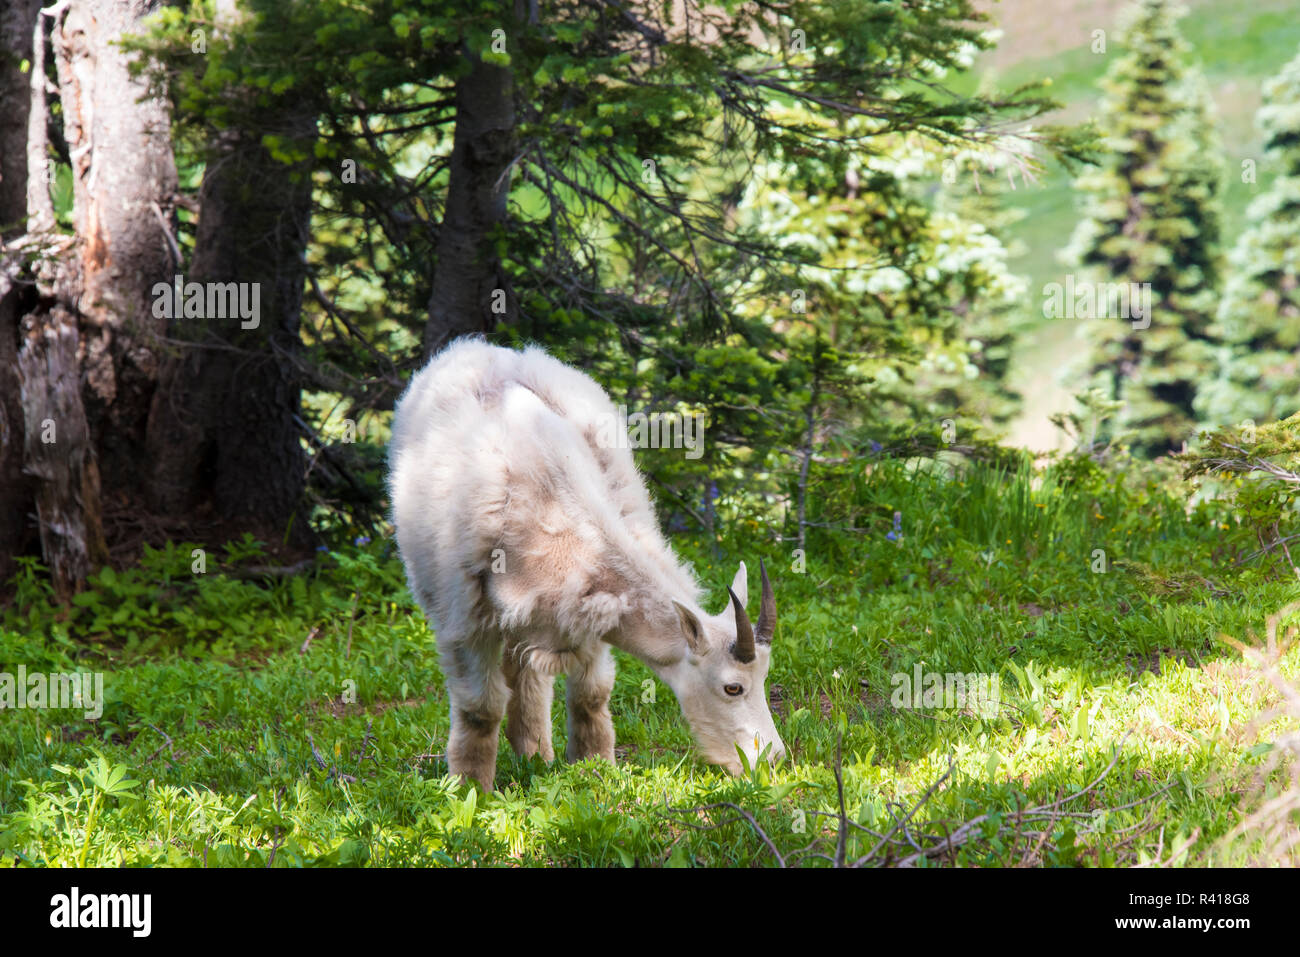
{"type": "Point", "coordinates": [470, 289]}
{"type": "Point", "coordinates": [125, 185]}
{"type": "Point", "coordinates": [17, 23]}
{"type": "Point", "coordinates": [223, 433]}
{"type": "Point", "coordinates": [223, 436]}
{"type": "Point", "coordinates": [87, 355]}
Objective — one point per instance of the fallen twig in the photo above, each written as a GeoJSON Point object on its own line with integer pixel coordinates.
{"type": "Point", "coordinates": [306, 642]}
{"type": "Point", "coordinates": [168, 743]}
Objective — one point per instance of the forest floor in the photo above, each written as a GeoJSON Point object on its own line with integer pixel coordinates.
{"type": "Point", "coordinates": [301, 721]}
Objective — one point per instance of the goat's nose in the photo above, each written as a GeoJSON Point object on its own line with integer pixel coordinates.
{"type": "Point", "coordinates": [775, 748]}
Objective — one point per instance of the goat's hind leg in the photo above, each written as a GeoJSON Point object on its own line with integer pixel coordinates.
{"type": "Point", "coordinates": [590, 725]}
{"type": "Point", "coordinates": [478, 699]}
{"type": "Point", "coordinates": [528, 714]}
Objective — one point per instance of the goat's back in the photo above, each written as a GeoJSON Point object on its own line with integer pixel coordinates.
{"type": "Point", "coordinates": [512, 508]}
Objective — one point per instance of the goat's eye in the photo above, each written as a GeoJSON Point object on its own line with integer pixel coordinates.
{"type": "Point", "coordinates": [733, 690]}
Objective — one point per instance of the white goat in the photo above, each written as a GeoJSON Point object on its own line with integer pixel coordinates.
{"type": "Point", "coordinates": [521, 531]}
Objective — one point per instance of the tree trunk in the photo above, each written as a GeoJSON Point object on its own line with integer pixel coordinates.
{"type": "Point", "coordinates": [470, 291]}
{"type": "Point", "coordinates": [223, 435]}
{"type": "Point", "coordinates": [17, 23]}
{"type": "Point", "coordinates": [124, 188]}
{"type": "Point", "coordinates": [223, 432]}
{"type": "Point", "coordinates": [87, 362]}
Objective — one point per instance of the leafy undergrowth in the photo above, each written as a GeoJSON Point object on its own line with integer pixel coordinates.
{"type": "Point", "coordinates": [300, 720]}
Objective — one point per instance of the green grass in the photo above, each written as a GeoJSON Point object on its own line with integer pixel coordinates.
{"type": "Point", "coordinates": [223, 742]}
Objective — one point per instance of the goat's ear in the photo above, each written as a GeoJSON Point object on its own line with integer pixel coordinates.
{"type": "Point", "coordinates": [740, 584]}
{"type": "Point", "coordinates": [691, 629]}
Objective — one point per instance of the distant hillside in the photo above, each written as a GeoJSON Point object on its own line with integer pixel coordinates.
{"type": "Point", "coordinates": [1237, 46]}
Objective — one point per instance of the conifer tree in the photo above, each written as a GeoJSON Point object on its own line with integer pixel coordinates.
{"type": "Point", "coordinates": [1152, 218]}
{"type": "Point", "coordinates": [1258, 321]}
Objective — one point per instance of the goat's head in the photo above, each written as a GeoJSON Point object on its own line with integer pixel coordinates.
{"type": "Point", "coordinates": [721, 680]}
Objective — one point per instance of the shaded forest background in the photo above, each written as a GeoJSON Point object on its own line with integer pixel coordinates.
{"type": "Point", "coordinates": [826, 226]}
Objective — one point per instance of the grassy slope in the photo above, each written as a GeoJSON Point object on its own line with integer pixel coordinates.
{"type": "Point", "coordinates": [214, 711]}
{"type": "Point", "coordinates": [1238, 47]}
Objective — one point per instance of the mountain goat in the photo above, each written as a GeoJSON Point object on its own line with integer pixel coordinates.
{"type": "Point", "coordinates": [531, 544]}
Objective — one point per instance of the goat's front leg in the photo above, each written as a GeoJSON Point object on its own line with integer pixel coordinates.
{"type": "Point", "coordinates": [528, 715]}
{"type": "Point", "coordinates": [590, 726]}
{"type": "Point", "coordinates": [478, 699]}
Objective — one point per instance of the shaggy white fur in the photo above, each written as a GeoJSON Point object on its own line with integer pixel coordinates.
{"type": "Point", "coordinates": [519, 528]}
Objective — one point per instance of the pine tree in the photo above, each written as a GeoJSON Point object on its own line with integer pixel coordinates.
{"type": "Point", "coordinates": [927, 327]}
{"type": "Point", "coordinates": [1258, 375]}
{"type": "Point", "coordinates": [1152, 217]}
